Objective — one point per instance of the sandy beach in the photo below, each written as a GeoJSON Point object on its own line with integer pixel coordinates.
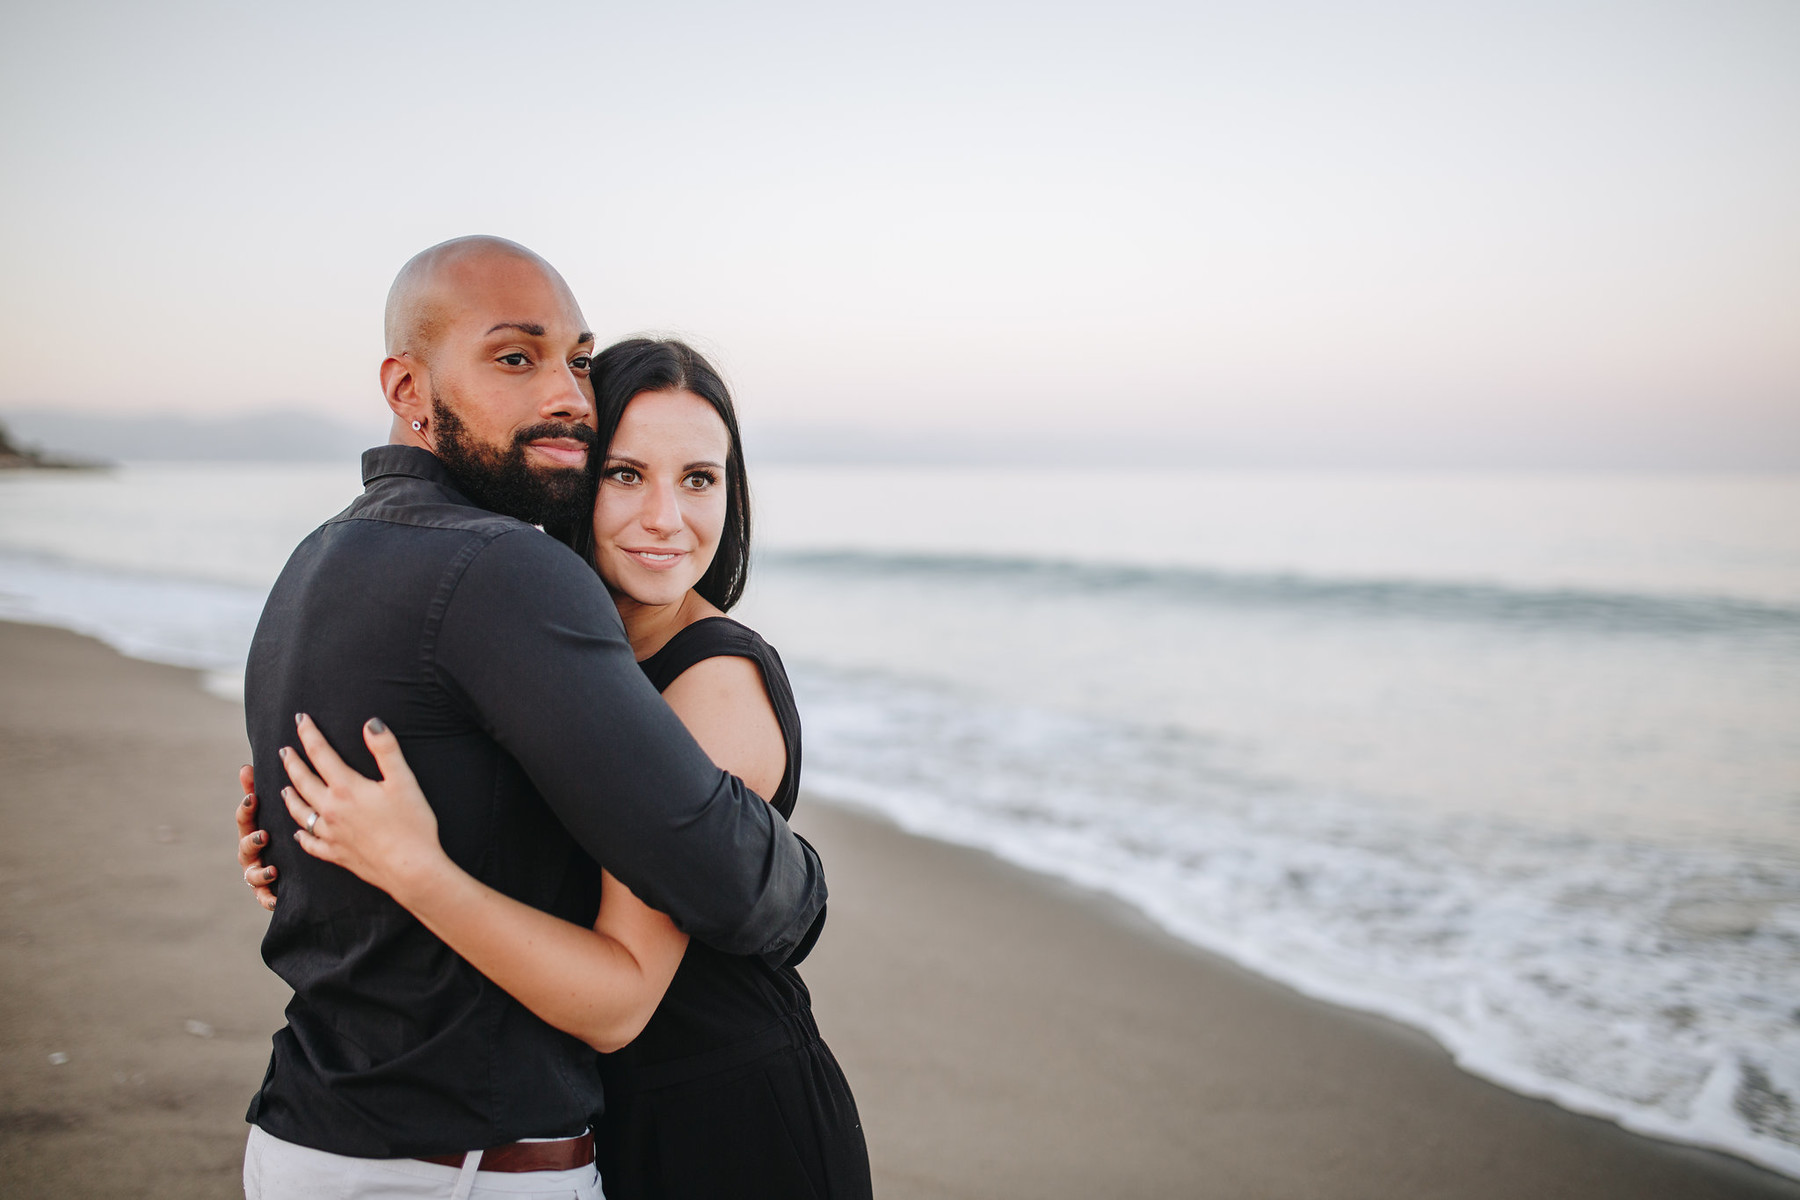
{"type": "Point", "coordinates": [1006, 1035]}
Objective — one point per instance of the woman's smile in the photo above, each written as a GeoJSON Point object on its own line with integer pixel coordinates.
{"type": "Point", "coordinates": [655, 560]}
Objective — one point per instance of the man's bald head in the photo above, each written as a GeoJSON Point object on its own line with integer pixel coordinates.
{"type": "Point", "coordinates": [435, 284]}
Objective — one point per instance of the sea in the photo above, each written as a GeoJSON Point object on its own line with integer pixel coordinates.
{"type": "Point", "coordinates": [1513, 759]}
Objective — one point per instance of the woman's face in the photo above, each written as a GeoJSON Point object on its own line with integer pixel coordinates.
{"type": "Point", "coordinates": [661, 506]}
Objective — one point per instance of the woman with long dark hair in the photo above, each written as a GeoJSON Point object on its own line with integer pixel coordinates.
{"type": "Point", "coordinates": [717, 1082]}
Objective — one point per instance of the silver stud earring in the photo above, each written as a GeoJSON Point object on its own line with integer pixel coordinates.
{"type": "Point", "coordinates": [418, 425]}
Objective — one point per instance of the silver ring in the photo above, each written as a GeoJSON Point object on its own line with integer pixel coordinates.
{"type": "Point", "coordinates": [311, 821]}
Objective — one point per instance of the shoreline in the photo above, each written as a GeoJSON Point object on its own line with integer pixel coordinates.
{"type": "Point", "coordinates": [1282, 1094]}
{"type": "Point", "coordinates": [1142, 915]}
{"type": "Point", "coordinates": [1006, 1033]}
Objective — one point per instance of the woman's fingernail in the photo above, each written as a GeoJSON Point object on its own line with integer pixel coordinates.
{"type": "Point", "coordinates": [376, 726]}
{"type": "Point", "coordinates": [248, 801]}
{"type": "Point", "coordinates": [258, 838]}
{"type": "Point", "coordinates": [288, 793]}
{"type": "Point", "coordinates": [282, 753]}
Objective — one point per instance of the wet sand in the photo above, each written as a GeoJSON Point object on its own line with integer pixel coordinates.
{"type": "Point", "coordinates": [1006, 1035]}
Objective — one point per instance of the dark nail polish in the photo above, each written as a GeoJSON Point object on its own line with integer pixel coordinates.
{"type": "Point", "coordinates": [376, 725]}
{"type": "Point", "coordinates": [299, 718]}
{"type": "Point", "coordinates": [248, 800]}
{"type": "Point", "coordinates": [258, 838]}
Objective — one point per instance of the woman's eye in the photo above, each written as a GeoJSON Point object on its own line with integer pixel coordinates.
{"type": "Point", "coordinates": [622, 475]}
{"type": "Point", "coordinates": [701, 480]}
{"type": "Point", "coordinates": [515, 359]}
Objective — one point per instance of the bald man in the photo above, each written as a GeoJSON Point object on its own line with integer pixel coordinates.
{"type": "Point", "coordinates": [434, 604]}
{"type": "Point", "coordinates": [504, 408]}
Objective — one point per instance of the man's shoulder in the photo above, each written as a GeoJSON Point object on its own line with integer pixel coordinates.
{"type": "Point", "coordinates": [527, 557]}
{"type": "Point", "coordinates": [519, 585]}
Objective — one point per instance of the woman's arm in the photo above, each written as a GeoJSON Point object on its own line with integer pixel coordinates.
{"type": "Point", "coordinates": [600, 985]}
{"type": "Point", "coordinates": [251, 841]}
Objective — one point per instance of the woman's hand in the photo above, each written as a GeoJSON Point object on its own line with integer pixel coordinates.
{"type": "Point", "coordinates": [251, 841]}
{"type": "Point", "coordinates": [598, 984]}
{"type": "Point", "coordinates": [382, 830]}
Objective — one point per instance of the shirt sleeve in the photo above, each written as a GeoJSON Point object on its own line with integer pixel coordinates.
{"type": "Point", "coordinates": [530, 640]}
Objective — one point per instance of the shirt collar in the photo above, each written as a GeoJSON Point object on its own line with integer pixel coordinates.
{"type": "Point", "coordinates": [415, 462]}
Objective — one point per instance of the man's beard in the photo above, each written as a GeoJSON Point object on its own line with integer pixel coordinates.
{"type": "Point", "coordinates": [504, 481]}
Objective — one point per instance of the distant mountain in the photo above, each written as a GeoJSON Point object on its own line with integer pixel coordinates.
{"type": "Point", "coordinates": [279, 436]}
{"type": "Point", "coordinates": [17, 456]}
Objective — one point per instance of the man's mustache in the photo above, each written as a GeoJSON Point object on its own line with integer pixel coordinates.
{"type": "Point", "coordinates": [557, 429]}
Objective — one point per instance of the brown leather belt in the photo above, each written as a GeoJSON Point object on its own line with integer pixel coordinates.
{"type": "Point", "coordinates": [514, 1157]}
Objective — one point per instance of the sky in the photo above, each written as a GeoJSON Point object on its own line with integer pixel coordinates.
{"type": "Point", "coordinates": [1427, 234]}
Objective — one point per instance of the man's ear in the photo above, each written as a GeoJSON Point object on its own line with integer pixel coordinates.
{"type": "Point", "coordinates": [407, 389]}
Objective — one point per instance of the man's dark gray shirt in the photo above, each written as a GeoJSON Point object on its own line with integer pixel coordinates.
{"type": "Point", "coordinates": [497, 657]}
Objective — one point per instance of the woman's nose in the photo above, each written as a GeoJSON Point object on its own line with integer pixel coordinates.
{"type": "Point", "coordinates": [662, 511]}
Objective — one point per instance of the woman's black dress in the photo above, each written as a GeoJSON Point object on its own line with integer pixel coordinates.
{"type": "Point", "coordinates": [729, 1092]}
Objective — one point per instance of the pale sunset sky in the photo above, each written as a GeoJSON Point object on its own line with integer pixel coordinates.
{"type": "Point", "coordinates": [1496, 233]}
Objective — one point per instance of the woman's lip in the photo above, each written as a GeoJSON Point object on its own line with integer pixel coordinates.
{"type": "Point", "coordinates": [643, 559]}
{"type": "Point", "coordinates": [565, 451]}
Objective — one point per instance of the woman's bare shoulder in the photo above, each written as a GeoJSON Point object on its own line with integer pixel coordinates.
{"type": "Point", "coordinates": [731, 675]}
{"type": "Point", "coordinates": [725, 704]}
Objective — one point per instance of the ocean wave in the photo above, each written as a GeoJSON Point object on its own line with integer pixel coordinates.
{"type": "Point", "coordinates": [1650, 983]}
{"type": "Point", "coordinates": [161, 618]}
{"type": "Point", "coordinates": [1580, 609]}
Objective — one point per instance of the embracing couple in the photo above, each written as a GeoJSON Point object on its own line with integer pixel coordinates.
{"type": "Point", "coordinates": [489, 847]}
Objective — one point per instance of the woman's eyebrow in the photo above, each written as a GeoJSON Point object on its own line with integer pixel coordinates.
{"type": "Point", "coordinates": [625, 460]}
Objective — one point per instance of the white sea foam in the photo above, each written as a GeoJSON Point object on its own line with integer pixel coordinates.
{"type": "Point", "coordinates": [1653, 984]}
{"type": "Point", "coordinates": [184, 622]}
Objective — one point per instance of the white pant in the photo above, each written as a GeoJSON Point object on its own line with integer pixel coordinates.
{"type": "Point", "coordinates": [278, 1170]}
